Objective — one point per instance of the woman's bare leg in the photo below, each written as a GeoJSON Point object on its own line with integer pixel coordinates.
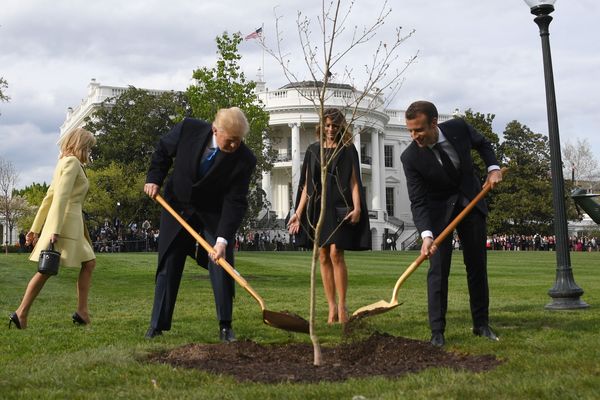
{"type": "Point", "coordinates": [340, 274]}
{"type": "Point", "coordinates": [34, 287]}
{"type": "Point", "coordinates": [328, 283]}
{"type": "Point", "coordinates": [84, 283]}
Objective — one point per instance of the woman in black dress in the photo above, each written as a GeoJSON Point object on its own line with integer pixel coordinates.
{"type": "Point", "coordinates": [346, 224]}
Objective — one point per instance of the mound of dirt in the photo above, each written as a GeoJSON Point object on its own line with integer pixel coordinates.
{"type": "Point", "coordinates": [379, 355]}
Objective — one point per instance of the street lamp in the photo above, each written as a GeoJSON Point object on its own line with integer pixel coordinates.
{"type": "Point", "coordinates": [565, 293]}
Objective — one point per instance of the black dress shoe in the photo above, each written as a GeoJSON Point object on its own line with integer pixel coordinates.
{"type": "Point", "coordinates": [77, 319]}
{"type": "Point", "coordinates": [152, 333]}
{"type": "Point", "coordinates": [14, 319]}
{"type": "Point", "coordinates": [485, 331]}
{"type": "Point", "coordinates": [226, 335]}
{"type": "Point", "coordinates": [437, 339]}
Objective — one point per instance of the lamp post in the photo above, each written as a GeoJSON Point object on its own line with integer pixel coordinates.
{"type": "Point", "coordinates": [565, 293]}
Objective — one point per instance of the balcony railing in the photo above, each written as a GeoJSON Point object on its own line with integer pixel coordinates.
{"type": "Point", "coordinates": [310, 96]}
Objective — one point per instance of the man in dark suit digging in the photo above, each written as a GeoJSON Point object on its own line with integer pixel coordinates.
{"type": "Point", "coordinates": [208, 187]}
{"type": "Point", "coordinates": [441, 181]}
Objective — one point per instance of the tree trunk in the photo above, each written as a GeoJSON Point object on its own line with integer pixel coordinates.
{"type": "Point", "coordinates": [317, 357]}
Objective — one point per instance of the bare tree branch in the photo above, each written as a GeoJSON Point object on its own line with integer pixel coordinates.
{"type": "Point", "coordinates": [366, 95]}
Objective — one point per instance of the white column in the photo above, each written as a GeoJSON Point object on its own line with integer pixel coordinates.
{"type": "Point", "coordinates": [356, 138]}
{"type": "Point", "coordinates": [382, 169]}
{"type": "Point", "coordinates": [266, 176]}
{"type": "Point", "coordinates": [266, 186]}
{"type": "Point", "coordinates": [375, 172]}
{"type": "Point", "coordinates": [296, 162]}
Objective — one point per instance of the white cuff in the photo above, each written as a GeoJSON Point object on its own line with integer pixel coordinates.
{"type": "Point", "coordinates": [222, 240]}
{"type": "Point", "coordinates": [493, 168]}
{"type": "Point", "coordinates": [425, 234]}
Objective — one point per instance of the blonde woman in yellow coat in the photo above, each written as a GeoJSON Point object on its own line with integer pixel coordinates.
{"type": "Point", "coordinates": [60, 221]}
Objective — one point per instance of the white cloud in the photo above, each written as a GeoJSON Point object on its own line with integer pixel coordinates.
{"type": "Point", "coordinates": [33, 153]}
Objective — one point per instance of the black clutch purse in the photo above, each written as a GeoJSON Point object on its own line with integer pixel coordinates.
{"type": "Point", "coordinates": [341, 213]}
{"type": "Point", "coordinates": [49, 261]}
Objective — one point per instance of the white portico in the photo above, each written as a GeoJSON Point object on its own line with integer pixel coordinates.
{"type": "Point", "coordinates": [379, 135]}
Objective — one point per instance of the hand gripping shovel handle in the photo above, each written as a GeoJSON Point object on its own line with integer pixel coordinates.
{"type": "Point", "coordinates": [222, 262]}
{"type": "Point", "coordinates": [442, 236]}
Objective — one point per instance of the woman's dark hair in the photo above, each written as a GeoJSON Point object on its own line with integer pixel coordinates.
{"type": "Point", "coordinates": [344, 135]}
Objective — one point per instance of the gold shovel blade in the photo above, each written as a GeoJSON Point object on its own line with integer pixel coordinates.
{"type": "Point", "coordinates": [379, 307]}
{"type": "Point", "coordinates": [286, 321]}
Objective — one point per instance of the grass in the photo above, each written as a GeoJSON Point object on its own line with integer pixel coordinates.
{"type": "Point", "coordinates": [548, 354]}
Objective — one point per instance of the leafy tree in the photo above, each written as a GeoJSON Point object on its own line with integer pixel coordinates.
{"type": "Point", "coordinates": [523, 202]}
{"type": "Point", "coordinates": [223, 86]}
{"type": "Point", "coordinates": [33, 195]}
{"type": "Point", "coordinates": [117, 193]}
{"type": "Point", "coordinates": [129, 126]}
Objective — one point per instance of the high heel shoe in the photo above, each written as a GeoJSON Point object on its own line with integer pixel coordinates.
{"type": "Point", "coordinates": [77, 319]}
{"type": "Point", "coordinates": [14, 318]}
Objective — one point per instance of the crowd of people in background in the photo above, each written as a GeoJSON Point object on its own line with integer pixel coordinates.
{"type": "Point", "coordinates": [539, 243]}
{"type": "Point", "coordinates": [265, 240]}
{"type": "Point", "coordinates": [116, 237]}
{"type": "Point", "coordinates": [113, 238]}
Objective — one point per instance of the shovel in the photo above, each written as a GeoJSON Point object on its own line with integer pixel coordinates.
{"type": "Point", "coordinates": [384, 306]}
{"type": "Point", "coordinates": [281, 320]}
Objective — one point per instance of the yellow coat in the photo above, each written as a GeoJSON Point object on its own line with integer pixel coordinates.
{"type": "Point", "coordinates": [61, 213]}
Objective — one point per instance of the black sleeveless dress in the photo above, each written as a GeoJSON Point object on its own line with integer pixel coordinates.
{"type": "Point", "coordinates": [342, 162]}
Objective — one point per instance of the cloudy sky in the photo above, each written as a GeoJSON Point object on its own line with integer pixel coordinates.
{"type": "Point", "coordinates": [483, 55]}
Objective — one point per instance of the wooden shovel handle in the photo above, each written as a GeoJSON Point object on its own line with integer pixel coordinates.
{"type": "Point", "coordinates": [222, 262]}
{"type": "Point", "coordinates": [442, 236]}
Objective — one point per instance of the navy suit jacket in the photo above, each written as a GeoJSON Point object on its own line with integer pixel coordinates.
{"type": "Point", "coordinates": [218, 199]}
{"type": "Point", "coordinates": [432, 194]}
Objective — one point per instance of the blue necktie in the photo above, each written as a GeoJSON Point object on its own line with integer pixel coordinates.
{"type": "Point", "coordinates": [208, 161]}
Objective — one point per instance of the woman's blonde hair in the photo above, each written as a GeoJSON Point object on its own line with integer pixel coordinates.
{"type": "Point", "coordinates": [232, 120]}
{"type": "Point", "coordinates": [77, 142]}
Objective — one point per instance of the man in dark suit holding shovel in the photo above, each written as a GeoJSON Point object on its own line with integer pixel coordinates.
{"type": "Point", "coordinates": [208, 187]}
{"type": "Point", "coordinates": [441, 181]}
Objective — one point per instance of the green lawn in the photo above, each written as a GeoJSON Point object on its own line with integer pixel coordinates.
{"type": "Point", "coordinates": [548, 354]}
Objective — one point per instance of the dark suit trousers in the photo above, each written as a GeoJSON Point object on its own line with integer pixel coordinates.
{"type": "Point", "coordinates": [472, 234]}
{"type": "Point", "coordinates": [169, 274]}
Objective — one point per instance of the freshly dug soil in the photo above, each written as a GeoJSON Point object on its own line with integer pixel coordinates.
{"type": "Point", "coordinates": [379, 355]}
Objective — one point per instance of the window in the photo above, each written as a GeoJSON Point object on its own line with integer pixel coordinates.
{"type": "Point", "coordinates": [364, 157]}
{"type": "Point", "coordinates": [389, 156]}
{"type": "Point", "coordinates": [389, 201]}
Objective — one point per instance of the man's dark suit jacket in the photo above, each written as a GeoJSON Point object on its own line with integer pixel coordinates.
{"type": "Point", "coordinates": [432, 194]}
{"type": "Point", "coordinates": [218, 199]}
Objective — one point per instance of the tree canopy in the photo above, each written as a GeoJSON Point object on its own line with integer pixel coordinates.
{"type": "Point", "coordinates": [116, 193]}
{"type": "Point", "coordinates": [523, 202]}
{"type": "Point", "coordinates": [33, 195]}
{"type": "Point", "coordinates": [129, 126]}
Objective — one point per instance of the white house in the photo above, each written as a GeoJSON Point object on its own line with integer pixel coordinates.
{"type": "Point", "coordinates": [380, 136]}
